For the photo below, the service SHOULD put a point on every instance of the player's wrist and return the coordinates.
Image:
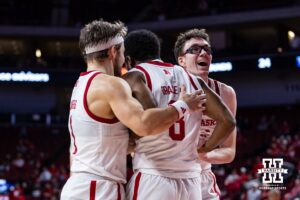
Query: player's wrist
(181, 107)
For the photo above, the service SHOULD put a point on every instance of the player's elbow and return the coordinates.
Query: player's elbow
(227, 121)
(149, 129)
(144, 129)
(230, 157)
(230, 123)
(141, 132)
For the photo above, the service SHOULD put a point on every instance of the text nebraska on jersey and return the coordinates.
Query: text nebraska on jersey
(167, 89)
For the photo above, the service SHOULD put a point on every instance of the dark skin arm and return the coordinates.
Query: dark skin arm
(140, 90)
(142, 93)
(217, 110)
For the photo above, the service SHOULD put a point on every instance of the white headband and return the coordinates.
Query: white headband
(106, 45)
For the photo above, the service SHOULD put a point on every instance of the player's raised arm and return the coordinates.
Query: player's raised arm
(226, 151)
(152, 121)
(216, 109)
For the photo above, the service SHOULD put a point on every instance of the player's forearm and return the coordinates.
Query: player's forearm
(220, 133)
(157, 120)
(220, 155)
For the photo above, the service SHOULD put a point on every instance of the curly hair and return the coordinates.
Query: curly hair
(142, 45)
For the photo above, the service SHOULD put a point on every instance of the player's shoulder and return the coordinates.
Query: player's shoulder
(133, 77)
(108, 82)
(180, 70)
(143, 65)
(178, 67)
(141, 68)
(225, 88)
(227, 91)
(156, 63)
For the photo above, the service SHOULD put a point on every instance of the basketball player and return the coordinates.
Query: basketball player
(166, 165)
(193, 52)
(99, 100)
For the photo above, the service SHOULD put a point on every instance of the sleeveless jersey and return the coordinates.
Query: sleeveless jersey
(98, 145)
(208, 124)
(172, 153)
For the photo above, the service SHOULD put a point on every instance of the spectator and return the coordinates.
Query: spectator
(295, 191)
(45, 175)
(254, 193)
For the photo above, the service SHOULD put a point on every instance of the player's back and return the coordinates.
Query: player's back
(98, 145)
(172, 153)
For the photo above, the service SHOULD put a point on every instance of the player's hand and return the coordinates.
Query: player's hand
(195, 100)
(203, 156)
(202, 150)
(205, 148)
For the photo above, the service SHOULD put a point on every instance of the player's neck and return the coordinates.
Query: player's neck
(103, 67)
(205, 78)
(137, 62)
(202, 76)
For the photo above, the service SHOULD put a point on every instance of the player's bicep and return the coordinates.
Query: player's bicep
(230, 142)
(124, 106)
(229, 98)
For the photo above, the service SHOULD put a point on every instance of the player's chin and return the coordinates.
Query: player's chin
(203, 71)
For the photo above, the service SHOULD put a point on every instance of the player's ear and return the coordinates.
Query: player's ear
(128, 62)
(181, 61)
(112, 52)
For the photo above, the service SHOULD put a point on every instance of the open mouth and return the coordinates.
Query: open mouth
(202, 64)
